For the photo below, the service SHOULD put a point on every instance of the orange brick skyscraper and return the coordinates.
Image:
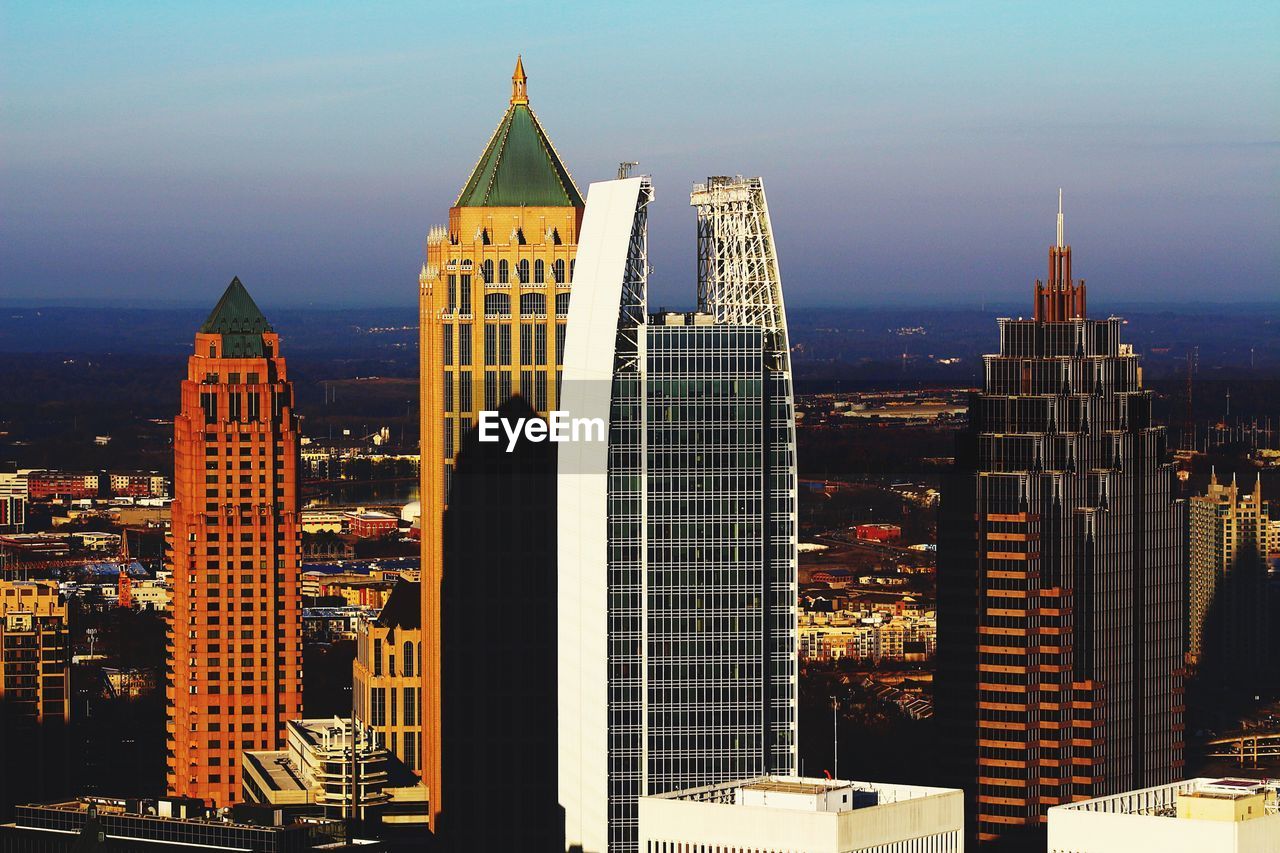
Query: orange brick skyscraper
(235, 648)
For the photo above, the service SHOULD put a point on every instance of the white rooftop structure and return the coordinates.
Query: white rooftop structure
(1223, 815)
(782, 814)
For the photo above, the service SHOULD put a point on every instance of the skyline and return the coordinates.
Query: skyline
(172, 150)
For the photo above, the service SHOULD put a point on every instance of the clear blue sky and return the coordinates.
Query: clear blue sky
(911, 151)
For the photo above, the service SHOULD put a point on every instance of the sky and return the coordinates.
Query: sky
(911, 151)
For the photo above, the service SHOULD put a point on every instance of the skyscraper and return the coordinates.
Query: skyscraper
(493, 298)
(1228, 606)
(235, 651)
(677, 536)
(1061, 573)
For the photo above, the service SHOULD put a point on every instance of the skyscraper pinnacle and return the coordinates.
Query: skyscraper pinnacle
(519, 92)
(1060, 217)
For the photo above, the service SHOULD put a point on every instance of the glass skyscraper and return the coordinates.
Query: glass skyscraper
(683, 526)
(1061, 575)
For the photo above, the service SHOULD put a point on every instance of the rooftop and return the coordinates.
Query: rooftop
(1162, 800)
(240, 322)
(519, 166)
(805, 794)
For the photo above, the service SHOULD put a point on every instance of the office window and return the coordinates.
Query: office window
(504, 344)
(526, 343)
(490, 343)
(539, 271)
(453, 293)
(490, 390)
(522, 270)
(446, 343)
(486, 272)
(464, 297)
(504, 272)
(557, 270)
(464, 345)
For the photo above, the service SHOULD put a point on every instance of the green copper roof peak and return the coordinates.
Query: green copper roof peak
(240, 322)
(519, 166)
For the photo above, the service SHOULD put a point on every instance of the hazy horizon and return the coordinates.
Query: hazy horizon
(151, 152)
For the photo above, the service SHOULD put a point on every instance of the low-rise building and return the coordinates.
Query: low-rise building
(879, 532)
(316, 768)
(371, 523)
(13, 498)
(330, 624)
(151, 595)
(1222, 815)
(170, 823)
(313, 775)
(50, 485)
(323, 521)
(779, 814)
(387, 674)
(35, 652)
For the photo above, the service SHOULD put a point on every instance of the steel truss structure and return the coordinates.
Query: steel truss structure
(738, 278)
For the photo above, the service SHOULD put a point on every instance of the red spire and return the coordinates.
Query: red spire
(1061, 298)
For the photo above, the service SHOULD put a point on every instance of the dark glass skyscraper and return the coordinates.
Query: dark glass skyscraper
(1062, 573)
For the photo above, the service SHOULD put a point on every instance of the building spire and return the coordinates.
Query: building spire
(1060, 244)
(519, 92)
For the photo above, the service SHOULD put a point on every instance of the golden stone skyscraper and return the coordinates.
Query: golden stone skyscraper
(493, 298)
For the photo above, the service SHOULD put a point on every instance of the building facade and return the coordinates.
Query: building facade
(118, 824)
(13, 498)
(317, 767)
(772, 814)
(493, 298)
(677, 541)
(235, 648)
(387, 675)
(1062, 573)
(35, 653)
(1228, 599)
(1191, 816)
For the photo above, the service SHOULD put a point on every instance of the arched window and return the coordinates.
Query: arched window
(533, 305)
(497, 305)
(539, 271)
(408, 659)
(562, 304)
(419, 657)
(486, 272)
(557, 270)
(522, 270)
(504, 272)
(571, 263)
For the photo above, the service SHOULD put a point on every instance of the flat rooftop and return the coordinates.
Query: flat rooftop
(1161, 800)
(798, 793)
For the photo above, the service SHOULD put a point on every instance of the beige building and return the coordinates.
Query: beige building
(35, 651)
(1194, 816)
(387, 675)
(317, 768)
(785, 814)
(1227, 602)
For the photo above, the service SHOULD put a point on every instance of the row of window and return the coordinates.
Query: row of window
(497, 344)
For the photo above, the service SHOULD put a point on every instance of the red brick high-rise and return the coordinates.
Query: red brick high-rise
(235, 649)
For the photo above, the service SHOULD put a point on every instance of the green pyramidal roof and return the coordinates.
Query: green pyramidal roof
(240, 322)
(519, 167)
